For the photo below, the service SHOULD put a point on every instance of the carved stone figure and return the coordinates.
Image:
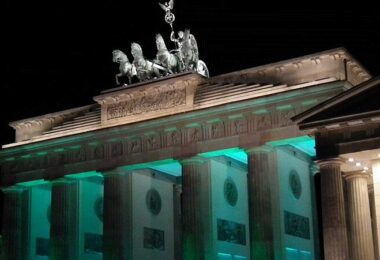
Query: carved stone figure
(125, 67)
(170, 61)
(145, 69)
(190, 54)
(168, 7)
(189, 50)
(178, 41)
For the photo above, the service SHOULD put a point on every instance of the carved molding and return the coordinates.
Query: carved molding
(160, 98)
(155, 139)
(147, 101)
(303, 69)
(30, 127)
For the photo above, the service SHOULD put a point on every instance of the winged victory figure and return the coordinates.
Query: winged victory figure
(168, 6)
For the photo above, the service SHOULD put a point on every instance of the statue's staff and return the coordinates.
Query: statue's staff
(169, 16)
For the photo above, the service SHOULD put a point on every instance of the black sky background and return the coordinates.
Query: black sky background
(57, 55)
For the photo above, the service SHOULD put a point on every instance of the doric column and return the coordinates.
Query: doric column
(261, 195)
(314, 170)
(372, 208)
(333, 213)
(376, 198)
(196, 209)
(117, 217)
(15, 223)
(359, 216)
(64, 229)
(177, 193)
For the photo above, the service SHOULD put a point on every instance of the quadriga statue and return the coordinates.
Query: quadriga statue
(145, 69)
(125, 67)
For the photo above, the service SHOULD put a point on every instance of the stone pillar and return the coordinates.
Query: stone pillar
(333, 213)
(64, 229)
(376, 195)
(196, 209)
(314, 169)
(372, 207)
(117, 217)
(262, 192)
(177, 211)
(359, 217)
(16, 223)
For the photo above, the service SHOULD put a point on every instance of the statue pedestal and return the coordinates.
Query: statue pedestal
(159, 98)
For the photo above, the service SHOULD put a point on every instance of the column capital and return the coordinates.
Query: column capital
(329, 161)
(193, 160)
(13, 189)
(63, 181)
(177, 187)
(349, 176)
(114, 171)
(314, 168)
(259, 149)
(371, 188)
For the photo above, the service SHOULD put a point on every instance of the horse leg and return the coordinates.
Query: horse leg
(156, 72)
(117, 79)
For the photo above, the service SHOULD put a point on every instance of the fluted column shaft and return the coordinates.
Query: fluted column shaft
(64, 229)
(260, 192)
(117, 225)
(361, 238)
(177, 211)
(15, 223)
(196, 209)
(333, 212)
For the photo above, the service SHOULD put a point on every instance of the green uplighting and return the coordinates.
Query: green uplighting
(261, 111)
(75, 147)
(304, 143)
(147, 165)
(284, 107)
(170, 129)
(310, 102)
(192, 125)
(41, 153)
(220, 152)
(83, 175)
(215, 120)
(235, 116)
(32, 183)
(190, 251)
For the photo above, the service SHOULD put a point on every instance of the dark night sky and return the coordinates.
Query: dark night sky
(58, 56)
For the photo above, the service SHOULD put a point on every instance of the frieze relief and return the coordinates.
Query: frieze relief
(98, 152)
(263, 121)
(147, 101)
(56, 158)
(76, 155)
(285, 115)
(238, 126)
(153, 141)
(115, 149)
(194, 134)
(173, 137)
(216, 129)
(134, 145)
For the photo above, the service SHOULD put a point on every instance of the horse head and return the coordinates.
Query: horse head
(136, 50)
(119, 56)
(160, 42)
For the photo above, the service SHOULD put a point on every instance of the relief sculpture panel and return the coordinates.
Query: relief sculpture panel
(147, 101)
